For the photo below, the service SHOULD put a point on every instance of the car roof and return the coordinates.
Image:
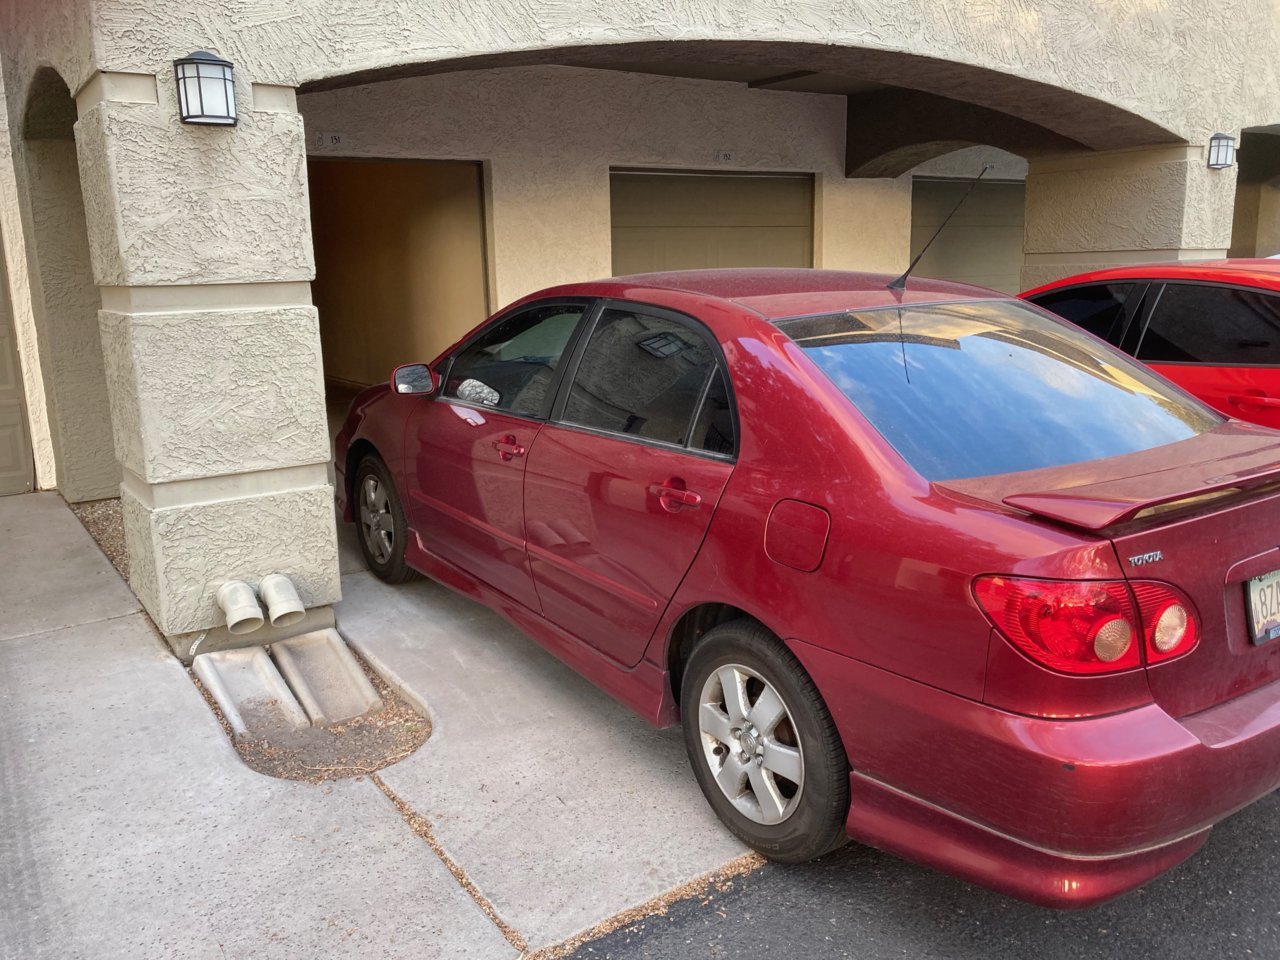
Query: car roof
(1247, 272)
(781, 293)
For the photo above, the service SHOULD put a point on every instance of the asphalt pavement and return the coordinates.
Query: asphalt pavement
(859, 903)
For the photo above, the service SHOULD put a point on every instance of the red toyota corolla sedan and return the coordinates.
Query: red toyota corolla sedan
(930, 568)
(1212, 327)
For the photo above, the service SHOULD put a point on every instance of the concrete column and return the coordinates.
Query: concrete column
(201, 249)
(1129, 206)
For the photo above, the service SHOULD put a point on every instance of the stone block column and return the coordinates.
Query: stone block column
(201, 249)
(1086, 211)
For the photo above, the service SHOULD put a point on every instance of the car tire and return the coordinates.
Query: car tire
(762, 744)
(380, 525)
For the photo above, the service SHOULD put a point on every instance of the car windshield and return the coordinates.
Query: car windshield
(994, 386)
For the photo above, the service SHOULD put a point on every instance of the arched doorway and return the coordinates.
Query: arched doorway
(64, 297)
(1255, 229)
(16, 466)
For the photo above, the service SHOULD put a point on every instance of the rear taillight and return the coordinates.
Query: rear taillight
(1076, 626)
(1089, 626)
(1169, 625)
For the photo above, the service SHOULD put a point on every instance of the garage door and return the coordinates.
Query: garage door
(666, 221)
(982, 245)
(15, 445)
(400, 268)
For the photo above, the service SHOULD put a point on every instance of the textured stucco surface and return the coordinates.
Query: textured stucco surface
(175, 204)
(1125, 207)
(180, 555)
(1118, 208)
(549, 136)
(212, 393)
(1158, 60)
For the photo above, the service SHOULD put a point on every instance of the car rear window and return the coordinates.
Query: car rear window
(994, 386)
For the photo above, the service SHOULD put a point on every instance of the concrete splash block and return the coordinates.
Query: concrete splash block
(253, 696)
(325, 677)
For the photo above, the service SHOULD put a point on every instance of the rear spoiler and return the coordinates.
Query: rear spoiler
(1095, 494)
(1101, 505)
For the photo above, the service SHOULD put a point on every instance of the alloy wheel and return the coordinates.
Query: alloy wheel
(376, 523)
(749, 741)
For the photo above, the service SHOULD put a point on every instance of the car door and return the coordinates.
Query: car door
(1219, 342)
(465, 448)
(621, 485)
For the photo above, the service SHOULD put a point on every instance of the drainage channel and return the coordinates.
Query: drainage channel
(308, 708)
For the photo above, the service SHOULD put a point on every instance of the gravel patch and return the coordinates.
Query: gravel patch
(105, 523)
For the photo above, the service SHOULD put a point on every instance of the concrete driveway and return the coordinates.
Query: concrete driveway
(129, 828)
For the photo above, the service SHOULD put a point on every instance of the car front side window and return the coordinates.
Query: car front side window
(1104, 309)
(512, 365)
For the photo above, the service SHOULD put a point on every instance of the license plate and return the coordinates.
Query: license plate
(1264, 606)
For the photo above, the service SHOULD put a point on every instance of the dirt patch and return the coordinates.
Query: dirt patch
(356, 748)
(103, 520)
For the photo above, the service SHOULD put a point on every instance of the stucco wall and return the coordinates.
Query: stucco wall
(1168, 62)
(1089, 211)
(549, 136)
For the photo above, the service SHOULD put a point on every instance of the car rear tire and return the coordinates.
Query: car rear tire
(762, 744)
(380, 524)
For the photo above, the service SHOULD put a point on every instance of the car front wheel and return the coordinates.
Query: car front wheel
(380, 521)
(762, 743)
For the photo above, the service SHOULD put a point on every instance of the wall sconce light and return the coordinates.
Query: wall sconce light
(206, 91)
(1222, 151)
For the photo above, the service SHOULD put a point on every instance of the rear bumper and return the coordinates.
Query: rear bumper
(898, 823)
(1059, 812)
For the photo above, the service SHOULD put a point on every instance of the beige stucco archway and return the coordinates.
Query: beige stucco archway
(64, 298)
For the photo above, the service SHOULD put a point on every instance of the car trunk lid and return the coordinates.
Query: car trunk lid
(1202, 514)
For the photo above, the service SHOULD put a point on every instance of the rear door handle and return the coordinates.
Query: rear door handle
(674, 498)
(1247, 400)
(508, 448)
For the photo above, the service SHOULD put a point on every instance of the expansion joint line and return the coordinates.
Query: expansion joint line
(419, 825)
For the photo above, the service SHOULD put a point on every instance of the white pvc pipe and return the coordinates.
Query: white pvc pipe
(238, 602)
(284, 606)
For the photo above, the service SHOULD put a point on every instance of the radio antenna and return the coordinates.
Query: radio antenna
(901, 282)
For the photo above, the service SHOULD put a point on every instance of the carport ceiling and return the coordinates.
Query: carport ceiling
(769, 77)
(1071, 117)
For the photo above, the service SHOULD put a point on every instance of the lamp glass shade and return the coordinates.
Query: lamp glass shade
(1222, 151)
(206, 89)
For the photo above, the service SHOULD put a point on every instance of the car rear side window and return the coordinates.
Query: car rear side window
(646, 376)
(1202, 323)
(511, 366)
(1101, 308)
(986, 387)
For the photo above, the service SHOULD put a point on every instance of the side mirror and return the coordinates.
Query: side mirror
(413, 379)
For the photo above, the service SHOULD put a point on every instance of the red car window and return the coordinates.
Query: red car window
(1204, 323)
(1104, 309)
